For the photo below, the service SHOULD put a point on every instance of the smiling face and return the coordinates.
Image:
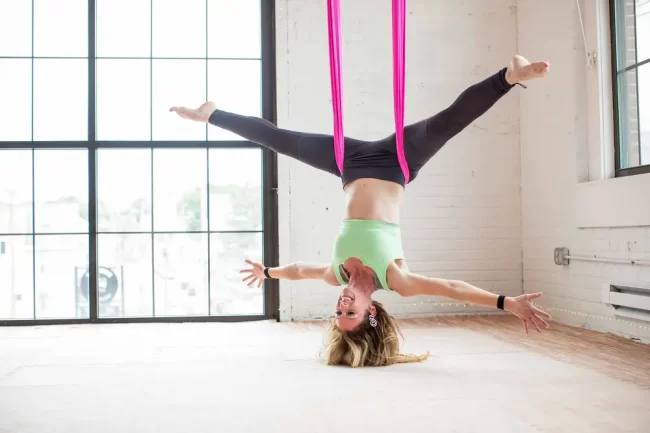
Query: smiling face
(352, 308)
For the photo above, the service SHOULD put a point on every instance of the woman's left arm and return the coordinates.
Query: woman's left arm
(410, 284)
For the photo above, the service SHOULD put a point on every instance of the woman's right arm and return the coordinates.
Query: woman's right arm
(292, 271)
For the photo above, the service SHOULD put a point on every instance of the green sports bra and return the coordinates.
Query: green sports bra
(377, 244)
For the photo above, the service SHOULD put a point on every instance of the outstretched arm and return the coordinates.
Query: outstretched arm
(410, 284)
(293, 271)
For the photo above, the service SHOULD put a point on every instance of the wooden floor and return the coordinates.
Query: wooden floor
(614, 356)
(486, 376)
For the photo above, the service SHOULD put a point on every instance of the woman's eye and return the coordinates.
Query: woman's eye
(338, 313)
(351, 314)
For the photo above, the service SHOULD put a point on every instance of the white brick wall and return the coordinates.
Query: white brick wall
(553, 132)
(462, 216)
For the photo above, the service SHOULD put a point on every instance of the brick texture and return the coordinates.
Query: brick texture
(552, 124)
(461, 218)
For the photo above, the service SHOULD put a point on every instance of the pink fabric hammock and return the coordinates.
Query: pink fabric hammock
(399, 60)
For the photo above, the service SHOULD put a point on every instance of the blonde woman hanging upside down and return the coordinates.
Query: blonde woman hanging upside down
(368, 252)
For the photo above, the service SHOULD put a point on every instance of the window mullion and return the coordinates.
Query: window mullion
(92, 166)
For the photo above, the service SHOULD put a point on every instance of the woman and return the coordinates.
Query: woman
(368, 251)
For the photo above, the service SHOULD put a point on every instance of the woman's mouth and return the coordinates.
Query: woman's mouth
(347, 295)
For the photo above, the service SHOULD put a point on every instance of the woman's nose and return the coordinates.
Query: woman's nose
(345, 301)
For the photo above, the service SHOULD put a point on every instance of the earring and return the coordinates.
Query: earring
(373, 321)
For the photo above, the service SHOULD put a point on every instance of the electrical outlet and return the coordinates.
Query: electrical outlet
(560, 256)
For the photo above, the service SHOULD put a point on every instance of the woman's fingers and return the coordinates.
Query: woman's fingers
(536, 325)
(542, 313)
(538, 319)
(253, 264)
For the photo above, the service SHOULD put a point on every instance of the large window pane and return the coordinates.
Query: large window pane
(628, 118)
(16, 94)
(181, 274)
(16, 278)
(15, 191)
(236, 86)
(125, 277)
(234, 29)
(180, 197)
(124, 190)
(61, 191)
(60, 99)
(61, 264)
(644, 112)
(16, 28)
(228, 294)
(179, 28)
(235, 189)
(60, 28)
(643, 29)
(123, 100)
(123, 28)
(177, 82)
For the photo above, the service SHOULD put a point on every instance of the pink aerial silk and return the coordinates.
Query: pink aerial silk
(334, 26)
(399, 67)
(399, 61)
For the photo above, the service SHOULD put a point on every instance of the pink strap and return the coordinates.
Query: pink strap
(334, 27)
(399, 67)
(399, 63)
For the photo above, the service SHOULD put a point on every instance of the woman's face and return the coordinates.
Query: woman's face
(352, 307)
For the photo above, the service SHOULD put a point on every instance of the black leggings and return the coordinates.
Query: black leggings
(372, 159)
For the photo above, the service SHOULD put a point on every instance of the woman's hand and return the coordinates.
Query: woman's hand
(526, 311)
(201, 114)
(255, 274)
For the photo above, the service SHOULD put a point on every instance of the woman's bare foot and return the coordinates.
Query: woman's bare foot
(521, 69)
(201, 114)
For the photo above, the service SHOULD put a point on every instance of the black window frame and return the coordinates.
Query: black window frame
(269, 182)
(614, 32)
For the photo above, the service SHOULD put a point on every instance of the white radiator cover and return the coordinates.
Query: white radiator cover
(628, 300)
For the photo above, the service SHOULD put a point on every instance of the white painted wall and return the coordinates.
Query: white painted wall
(462, 216)
(559, 138)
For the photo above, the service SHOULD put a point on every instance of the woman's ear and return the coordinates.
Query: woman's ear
(372, 310)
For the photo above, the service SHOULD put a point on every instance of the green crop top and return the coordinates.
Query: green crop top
(377, 244)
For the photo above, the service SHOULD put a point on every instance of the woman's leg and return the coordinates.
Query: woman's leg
(316, 150)
(424, 139)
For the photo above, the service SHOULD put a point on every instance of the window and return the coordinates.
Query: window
(111, 207)
(631, 71)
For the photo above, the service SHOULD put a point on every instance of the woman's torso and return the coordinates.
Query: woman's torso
(376, 198)
(373, 199)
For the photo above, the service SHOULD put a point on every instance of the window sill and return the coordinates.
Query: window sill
(618, 202)
(633, 171)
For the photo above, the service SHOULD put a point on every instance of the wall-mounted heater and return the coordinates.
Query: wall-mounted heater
(628, 300)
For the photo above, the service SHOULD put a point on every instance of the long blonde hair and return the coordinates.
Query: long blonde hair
(368, 346)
